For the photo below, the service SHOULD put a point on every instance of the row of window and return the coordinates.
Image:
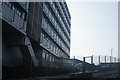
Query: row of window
(67, 14)
(67, 19)
(47, 56)
(48, 28)
(17, 9)
(48, 43)
(52, 19)
(13, 13)
(58, 15)
(64, 16)
(61, 18)
(50, 31)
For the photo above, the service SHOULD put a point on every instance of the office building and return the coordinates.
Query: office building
(34, 34)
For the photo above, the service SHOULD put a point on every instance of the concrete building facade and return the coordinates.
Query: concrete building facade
(35, 34)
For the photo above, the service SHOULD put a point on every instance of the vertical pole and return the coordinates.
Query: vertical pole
(99, 59)
(111, 54)
(114, 59)
(105, 61)
(83, 64)
(92, 59)
(92, 63)
(83, 59)
(110, 59)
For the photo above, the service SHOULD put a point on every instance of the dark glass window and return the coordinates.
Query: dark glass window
(41, 38)
(50, 58)
(53, 59)
(48, 29)
(45, 40)
(47, 43)
(52, 33)
(43, 55)
(51, 46)
(47, 56)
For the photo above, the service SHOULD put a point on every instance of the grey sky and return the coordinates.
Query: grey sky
(94, 28)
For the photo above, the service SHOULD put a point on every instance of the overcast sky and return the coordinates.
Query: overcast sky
(94, 28)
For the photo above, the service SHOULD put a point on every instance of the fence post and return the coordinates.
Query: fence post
(114, 59)
(92, 59)
(83, 64)
(105, 61)
(92, 63)
(110, 59)
(99, 59)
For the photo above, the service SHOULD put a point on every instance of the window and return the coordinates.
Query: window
(55, 11)
(54, 36)
(55, 24)
(50, 58)
(47, 56)
(46, 9)
(52, 47)
(59, 41)
(41, 38)
(56, 50)
(53, 59)
(43, 55)
(43, 6)
(9, 4)
(51, 33)
(52, 19)
(23, 15)
(44, 40)
(48, 29)
(50, 15)
(59, 52)
(48, 43)
(53, 7)
(13, 7)
(45, 27)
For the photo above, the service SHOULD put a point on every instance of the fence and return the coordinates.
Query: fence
(98, 59)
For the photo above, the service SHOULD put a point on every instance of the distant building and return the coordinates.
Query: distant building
(34, 34)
